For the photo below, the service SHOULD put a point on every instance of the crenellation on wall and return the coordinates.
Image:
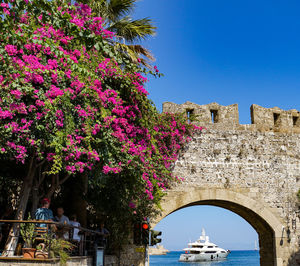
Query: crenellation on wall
(275, 118)
(208, 114)
(215, 115)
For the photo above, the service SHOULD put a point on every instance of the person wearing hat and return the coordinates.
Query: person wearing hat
(44, 213)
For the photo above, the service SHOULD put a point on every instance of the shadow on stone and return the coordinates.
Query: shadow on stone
(294, 260)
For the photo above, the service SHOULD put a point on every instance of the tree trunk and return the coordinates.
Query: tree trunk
(55, 184)
(35, 199)
(13, 236)
(37, 183)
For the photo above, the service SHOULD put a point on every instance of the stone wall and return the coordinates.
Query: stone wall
(128, 257)
(253, 170)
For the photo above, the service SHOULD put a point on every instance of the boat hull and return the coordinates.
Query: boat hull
(202, 257)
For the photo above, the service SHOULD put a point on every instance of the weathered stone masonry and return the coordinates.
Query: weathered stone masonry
(253, 170)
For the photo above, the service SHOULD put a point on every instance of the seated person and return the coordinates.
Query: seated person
(76, 236)
(44, 213)
(62, 232)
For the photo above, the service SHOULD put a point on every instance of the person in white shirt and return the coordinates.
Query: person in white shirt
(74, 222)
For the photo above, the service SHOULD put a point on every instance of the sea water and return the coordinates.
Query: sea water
(235, 258)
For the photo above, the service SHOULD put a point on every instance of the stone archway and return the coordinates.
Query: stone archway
(264, 221)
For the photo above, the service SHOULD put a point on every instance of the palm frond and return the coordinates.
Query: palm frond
(141, 51)
(136, 53)
(118, 8)
(133, 30)
(99, 7)
(116, 16)
(111, 10)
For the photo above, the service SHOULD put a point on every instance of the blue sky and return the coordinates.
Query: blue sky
(228, 52)
(224, 228)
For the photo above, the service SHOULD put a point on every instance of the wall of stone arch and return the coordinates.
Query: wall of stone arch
(267, 224)
(255, 167)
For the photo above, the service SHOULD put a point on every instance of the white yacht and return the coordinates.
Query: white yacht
(203, 250)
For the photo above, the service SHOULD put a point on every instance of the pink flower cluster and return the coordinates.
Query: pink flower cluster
(56, 108)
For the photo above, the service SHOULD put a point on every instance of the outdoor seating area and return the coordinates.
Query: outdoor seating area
(42, 242)
(72, 261)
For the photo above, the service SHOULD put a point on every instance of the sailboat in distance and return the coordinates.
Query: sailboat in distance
(255, 246)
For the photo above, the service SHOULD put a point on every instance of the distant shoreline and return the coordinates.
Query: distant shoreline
(229, 249)
(158, 250)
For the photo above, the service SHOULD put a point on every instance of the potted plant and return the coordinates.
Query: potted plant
(27, 231)
(56, 248)
(60, 248)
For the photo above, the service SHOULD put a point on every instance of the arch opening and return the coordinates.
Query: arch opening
(224, 228)
(257, 215)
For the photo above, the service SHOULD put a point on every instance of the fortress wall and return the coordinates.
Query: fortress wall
(260, 161)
